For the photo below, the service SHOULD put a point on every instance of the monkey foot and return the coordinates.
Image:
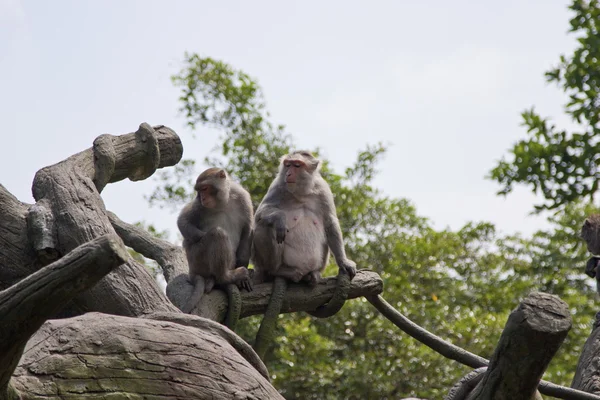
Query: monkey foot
(313, 278)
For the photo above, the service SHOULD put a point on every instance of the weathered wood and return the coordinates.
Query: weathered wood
(70, 189)
(587, 375)
(113, 357)
(17, 258)
(463, 356)
(26, 305)
(298, 296)
(533, 334)
(170, 257)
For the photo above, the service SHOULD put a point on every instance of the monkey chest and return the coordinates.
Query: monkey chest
(303, 222)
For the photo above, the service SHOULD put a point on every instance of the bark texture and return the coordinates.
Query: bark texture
(531, 337)
(162, 353)
(25, 306)
(298, 296)
(100, 356)
(68, 201)
(587, 376)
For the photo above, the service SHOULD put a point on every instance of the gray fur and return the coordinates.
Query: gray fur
(217, 241)
(296, 225)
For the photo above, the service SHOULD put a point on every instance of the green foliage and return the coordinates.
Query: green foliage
(461, 285)
(563, 166)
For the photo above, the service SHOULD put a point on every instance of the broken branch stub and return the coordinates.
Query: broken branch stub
(532, 336)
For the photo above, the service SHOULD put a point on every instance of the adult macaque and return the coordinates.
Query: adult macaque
(590, 233)
(216, 228)
(296, 226)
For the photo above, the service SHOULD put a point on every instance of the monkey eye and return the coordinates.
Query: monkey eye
(203, 188)
(286, 164)
(297, 165)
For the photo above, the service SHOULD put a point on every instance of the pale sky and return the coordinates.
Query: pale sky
(443, 82)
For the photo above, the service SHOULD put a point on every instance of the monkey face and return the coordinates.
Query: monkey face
(207, 196)
(293, 168)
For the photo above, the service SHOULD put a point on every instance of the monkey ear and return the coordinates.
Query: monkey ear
(222, 174)
(587, 222)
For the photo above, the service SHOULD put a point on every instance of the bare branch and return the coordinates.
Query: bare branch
(532, 336)
(298, 296)
(463, 356)
(69, 193)
(171, 258)
(26, 305)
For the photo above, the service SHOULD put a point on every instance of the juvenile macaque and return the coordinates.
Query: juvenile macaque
(590, 232)
(216, 228)
(296, 225)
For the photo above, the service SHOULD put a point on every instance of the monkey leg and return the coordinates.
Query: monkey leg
(313, 278)
(266, 332)
(196, 295)
(293, 274)
(267, 253)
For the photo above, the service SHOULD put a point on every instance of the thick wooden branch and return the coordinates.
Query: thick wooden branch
(105, 356)
(25, 306)
(463, 356)
(68, 197)
(298, 297)
(533, 334)
(587, 375)
(170, 257)
(17, 258)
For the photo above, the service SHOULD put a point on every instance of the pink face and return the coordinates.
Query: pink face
(293, 168)
(207, 197)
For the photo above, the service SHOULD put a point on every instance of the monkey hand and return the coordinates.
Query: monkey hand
(247, 282)
(590, 267)
(347, 266)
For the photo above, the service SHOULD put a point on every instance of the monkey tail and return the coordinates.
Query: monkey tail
(196, 295)
(337, 300)
(266, 332)
(235, 306)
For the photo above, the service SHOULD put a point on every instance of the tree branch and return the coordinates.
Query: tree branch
(171, 258)
(298, 296)
(17, 258)
(532, 336)
(463, 356)
(69, 193)
(26, 305)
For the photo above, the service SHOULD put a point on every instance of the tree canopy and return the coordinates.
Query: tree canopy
(459, 284)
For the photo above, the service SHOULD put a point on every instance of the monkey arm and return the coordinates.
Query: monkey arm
(334, 236)
(242, 255)
(190, 233)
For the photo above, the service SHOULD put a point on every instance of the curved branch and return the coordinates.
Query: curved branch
(69, 190)
(209, 326)
(298, 296)
(36, 298)
(463, 356)
(170, 257)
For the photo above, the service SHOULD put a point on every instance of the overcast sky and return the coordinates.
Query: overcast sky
(443, 82)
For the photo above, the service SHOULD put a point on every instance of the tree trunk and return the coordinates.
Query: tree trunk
(531, 337)
(162, 353)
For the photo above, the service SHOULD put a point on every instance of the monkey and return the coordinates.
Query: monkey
(217, 233)
(295, 227)
(590, 233)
